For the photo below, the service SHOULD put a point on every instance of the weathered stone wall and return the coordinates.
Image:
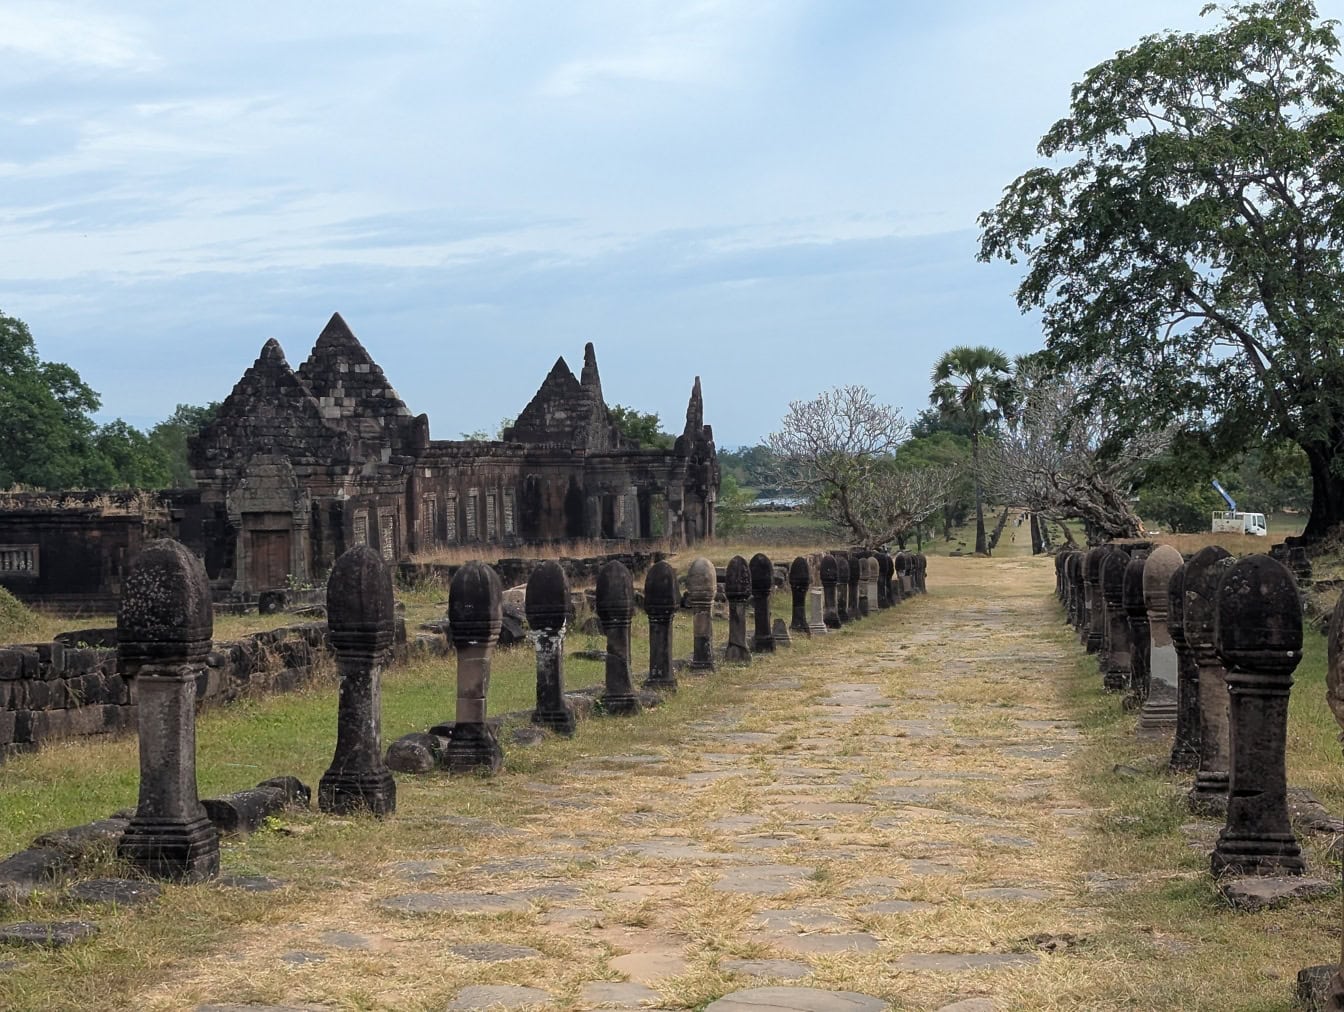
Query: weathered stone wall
(516, 572)
(67, 689)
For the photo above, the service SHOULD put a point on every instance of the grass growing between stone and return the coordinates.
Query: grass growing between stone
(932, 788)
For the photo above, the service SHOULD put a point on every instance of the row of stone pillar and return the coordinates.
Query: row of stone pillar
(1205, 648)
(165, 630)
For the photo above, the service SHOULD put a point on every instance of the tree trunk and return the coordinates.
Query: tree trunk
(980, 547)
(1327, 492)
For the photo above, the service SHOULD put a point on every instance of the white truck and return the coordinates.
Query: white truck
(1233, 520)
(1236, 522)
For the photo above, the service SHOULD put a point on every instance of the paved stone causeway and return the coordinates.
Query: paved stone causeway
(884, 821)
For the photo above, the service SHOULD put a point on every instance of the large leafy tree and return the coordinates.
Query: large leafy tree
(974, 386)
(1190, 230)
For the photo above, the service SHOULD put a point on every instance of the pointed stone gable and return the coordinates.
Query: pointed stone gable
(564, 410)
(350, 387)
(695, 412)
(269, 411)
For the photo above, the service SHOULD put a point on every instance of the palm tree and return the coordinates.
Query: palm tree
(974, 385)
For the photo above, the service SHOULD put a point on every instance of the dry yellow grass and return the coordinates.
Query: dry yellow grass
(931, 714)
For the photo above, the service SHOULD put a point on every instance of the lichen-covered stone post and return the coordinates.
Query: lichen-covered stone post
(701, 586)
(800, 581)
(360, 625)
(165, 623)
(1094, 635)
(1114, 654)
(1185, 747)
(475, 611)
(660, 604)
(904, 581)
(762, 583)
(830, 584)
(884, 571)
(1077, 591)
(1258, 635)
(1202, 574)
(841, 586)
(1158, 716)
(615, 610)
(921, 573)
(1140, 637)
(855, 575)
(547, 607)
(1334, 696)
(867, 585)
(737, 588)
(1059, 576)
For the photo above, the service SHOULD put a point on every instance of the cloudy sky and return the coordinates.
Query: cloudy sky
(777, 196)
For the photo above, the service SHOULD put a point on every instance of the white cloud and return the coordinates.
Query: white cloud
(64, 35)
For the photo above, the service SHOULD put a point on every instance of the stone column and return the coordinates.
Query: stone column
(855, 575)
(1202, 574)
(830, 582)
(1258, 635)
(164, 627)
(1185, 747)
(475, 611)
(1140, 639)
(547, 607)
(921, 573)
(1094, 635)
(1334, 695)
(737, 588)
(1114, 654)
(902, 562)
(1059, 576)
(800, 580)
(701, 586)
(360, 625)
(1158, 716)
(816, 612)
(841, 586)
(884, 571)
(762, 583)
(866, 588)
(1074, 572)
(615, 609)
(660, 604)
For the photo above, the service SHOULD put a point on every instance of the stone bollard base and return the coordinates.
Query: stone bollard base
(177, 851)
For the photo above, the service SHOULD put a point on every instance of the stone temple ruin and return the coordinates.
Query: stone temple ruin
(302, 464)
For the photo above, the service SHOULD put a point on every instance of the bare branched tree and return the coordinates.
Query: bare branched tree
(1065, 460)
(837, 448)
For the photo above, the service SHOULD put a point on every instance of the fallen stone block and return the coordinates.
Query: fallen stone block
(1262, 893)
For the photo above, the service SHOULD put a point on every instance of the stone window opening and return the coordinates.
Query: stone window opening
(361, 527)
(510, 524)
(19, 559)
(387, 533)
(473, 503)
(450, 519)
(429, 511)
(491, 517)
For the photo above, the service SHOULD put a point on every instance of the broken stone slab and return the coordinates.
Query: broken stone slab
(122, 892)
(818, 943)
(494, 996)
(961, 962)
(780, 969)
(763, 880)
(1009, 894)
(302, 958)
(890, 907)
(47, 934)
(1309, 815)
(251, 883)
(796, 999)
(418, 752)
(1264, 892)
(78, 841)
(623, 994)
(31, 869)
(1313, 987)
(969, 1005)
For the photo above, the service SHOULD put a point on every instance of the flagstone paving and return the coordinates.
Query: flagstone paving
(882, 822)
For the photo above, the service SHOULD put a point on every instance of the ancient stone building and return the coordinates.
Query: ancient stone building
(301, 464)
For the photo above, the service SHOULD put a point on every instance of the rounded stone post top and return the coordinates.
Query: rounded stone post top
(872, 567)
(737, 579)
(885, 566)
(841, 567)
(615, 594)
(1202, 574)
(660, 590)
(1092, 564)
(701, 582)
(1334, 666)
(1258, 617)
(1157, 571)
(1113, 567)
(546, 601)
(902, 563)
(165, 614)
(762, 573)
(800, 574)
(1176, 604)
(359, 601)
(1135, 603)
(475, 605)
(829, 569)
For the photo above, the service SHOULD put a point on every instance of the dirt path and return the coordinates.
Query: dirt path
(888, 814)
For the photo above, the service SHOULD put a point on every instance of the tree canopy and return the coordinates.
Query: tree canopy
(1188, 231)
